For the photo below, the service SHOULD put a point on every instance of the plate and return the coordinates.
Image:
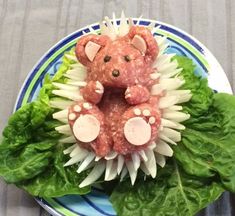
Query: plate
(96, 203)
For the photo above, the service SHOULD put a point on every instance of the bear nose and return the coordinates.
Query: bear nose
(115, 73)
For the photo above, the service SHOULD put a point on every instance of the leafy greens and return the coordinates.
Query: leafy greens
(203, 165)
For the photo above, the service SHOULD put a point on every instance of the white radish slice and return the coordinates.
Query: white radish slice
(120, 164)
(166, 139)
(97, 158)
(91, 49)
(167, 101)
(157, 89)
(139, 43)
(144, 169)
(175, 108)
(111, 155)
(113, 172)
(132, 171)
(163, 149)
(61, 114)
(155, 76)
(123, 27)
(70, 139)
(171, 124)
(90, 157)
(168, 67)
(86, 128)
(95, 174)
(176, 116)
(64, 86)
(162, 48)
(72, 95)
(78, 77)
(143, 155)
(71, 57)
(77, 158)
(162, 60)
(160, 159)
(151, 163)
(108, 169)
(77, 65)
(60, 104)
(131, 23)
(139, 19)
(75, 151)
(115, 26)
(152, 146)
(137, 131)
(178, 92)
(112, 33)
(123, 174)
(172, 134)
(172, 73)
(160, 40)
(77, 72)
(171, 83)
(136, 160)
(64, 129)
(69, 149)
(77, 83)
(184, 98)
(103, 29)
(63, 120)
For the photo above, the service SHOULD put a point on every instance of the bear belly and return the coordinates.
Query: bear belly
(113, 105)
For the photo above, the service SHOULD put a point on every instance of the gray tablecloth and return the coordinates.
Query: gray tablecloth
(28, 28)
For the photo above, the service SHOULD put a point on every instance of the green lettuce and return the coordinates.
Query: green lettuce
(30, 153)
(203, 165)
(173, 192)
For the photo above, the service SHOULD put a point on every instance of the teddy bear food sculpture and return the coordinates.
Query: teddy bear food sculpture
(121, 113)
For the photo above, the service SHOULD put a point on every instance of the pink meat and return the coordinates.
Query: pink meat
(124, 71)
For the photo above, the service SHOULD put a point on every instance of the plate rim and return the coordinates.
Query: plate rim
(205, 51)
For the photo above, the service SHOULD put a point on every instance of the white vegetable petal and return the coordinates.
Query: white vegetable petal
(151, 163)
(168, 101)
(163, 149)
(96, 172)
(72, 95)
(69, 139)
(132, 171)
(136, 160)
(69, 149)
(160, 159)
(120, 163)
(90, 157)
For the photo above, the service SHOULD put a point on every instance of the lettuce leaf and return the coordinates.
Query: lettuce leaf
(30, 153)
(173, 192)
(207, 148)
(57, 180)
(31, 156)
(203, 164)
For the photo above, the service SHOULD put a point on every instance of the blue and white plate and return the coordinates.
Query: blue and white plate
(97, 203)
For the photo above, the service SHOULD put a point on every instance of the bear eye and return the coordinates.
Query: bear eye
(107, 58)
(127, 58)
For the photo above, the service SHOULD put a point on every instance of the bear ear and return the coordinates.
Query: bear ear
(143, 40)
(88, 46)
(91, 49)
(139, 43)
